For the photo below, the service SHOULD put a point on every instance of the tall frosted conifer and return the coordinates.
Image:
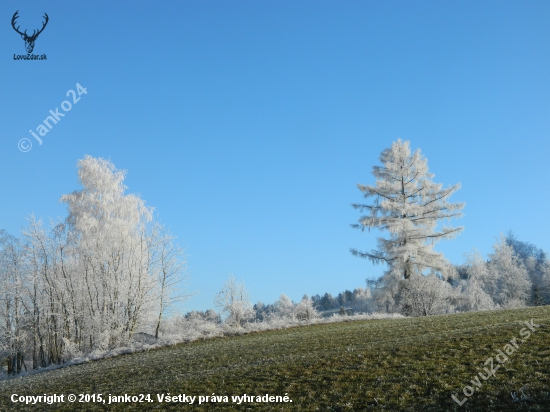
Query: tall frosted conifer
(409, 206)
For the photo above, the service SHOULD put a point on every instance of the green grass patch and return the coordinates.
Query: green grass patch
(412, 364)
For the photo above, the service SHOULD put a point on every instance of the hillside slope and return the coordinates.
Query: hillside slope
(393, 365)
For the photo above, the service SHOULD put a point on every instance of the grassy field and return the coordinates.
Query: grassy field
(412, 364)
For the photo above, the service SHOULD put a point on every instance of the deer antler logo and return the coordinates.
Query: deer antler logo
(29, 40)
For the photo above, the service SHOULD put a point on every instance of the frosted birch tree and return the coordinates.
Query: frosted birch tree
(234, 301)
(13, 319)
(408, 205)
(113, 253)
(168, 267)
(127, 265)
(90, 282)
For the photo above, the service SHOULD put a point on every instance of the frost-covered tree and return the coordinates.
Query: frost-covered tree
(14, 319)
(167, 266)
(305, 310)
(87, 283)
(114, 252)
(509, 275)
(234, 301)
(409, 206)
(284, 307)
(479, 286)
(362, 300)
(54, 296)
(537, 264)
(425, 295)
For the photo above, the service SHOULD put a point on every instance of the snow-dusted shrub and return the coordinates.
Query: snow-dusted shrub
(305, 310)
(425, 295)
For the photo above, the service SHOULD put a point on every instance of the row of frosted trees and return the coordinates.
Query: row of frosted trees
(505, 280)
(88, 283)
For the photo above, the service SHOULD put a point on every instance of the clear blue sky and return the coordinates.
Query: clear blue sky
(248, 124)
